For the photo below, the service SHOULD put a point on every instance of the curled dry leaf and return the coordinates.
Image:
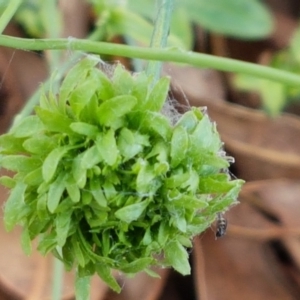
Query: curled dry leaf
(280, 199)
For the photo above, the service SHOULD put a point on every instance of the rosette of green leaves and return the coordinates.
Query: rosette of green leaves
(107, 181)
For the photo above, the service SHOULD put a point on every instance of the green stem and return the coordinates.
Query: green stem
(8, 13)
(58, 271)
(160, 34)
(50, 12)
(82, 287)
(166, 54)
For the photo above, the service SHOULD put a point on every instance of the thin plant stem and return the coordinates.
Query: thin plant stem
(8, 13)
(82, 287)
(49, 13)
(166, 54)
(57, 277)
(160, 34)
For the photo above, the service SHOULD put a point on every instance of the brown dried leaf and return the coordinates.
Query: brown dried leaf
(239, 268)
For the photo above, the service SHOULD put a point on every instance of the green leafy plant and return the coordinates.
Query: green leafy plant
(102, 176)
(107, 181)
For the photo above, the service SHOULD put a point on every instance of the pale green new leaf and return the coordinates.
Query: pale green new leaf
(131, 212)
(27, 127)
(62, 226)
(15, 206)
(104, 273)
(76, 75)
(115, 108)
(85, 129)
(158, 95)
(177, 257)
(179, 145)
(90, 157)
(55, 192)
(51, 162)
(107, 147)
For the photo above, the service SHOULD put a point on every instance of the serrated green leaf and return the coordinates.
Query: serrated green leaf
(190, 202)
(104, 273)
(177, 257)
(137, 265)
(73, 191)
(96, 191)
(179, 146)
(78, 172)
(114, 108)
(158, 95)
(131, 212)
(105, 89)
(7, 181)
(11, 144)
(220, 203)
(109, 190)
(163, 233)
(205, 136)
(150, 122)
(34, 178)
(145, 180)
(188, 121)
(161, 150)
(141, 88)
(75, 76)
(215, 184)
(62, 226)
(47, 243)
(41, 206)
(107, 147)
(20, 163)
(14, 208)
(147, 239)
(54, 121)
(127, 144)
(90, 157)
(177, 180)
(84, 129)
(39, 144)
(55, 193)
(161, 168)
(122, 81)
(27, 127)
(51, 162)
(82, 94)
(77, 252)
(180, 222)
